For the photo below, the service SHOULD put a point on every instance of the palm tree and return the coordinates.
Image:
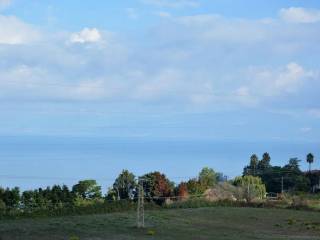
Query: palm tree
(310, 159)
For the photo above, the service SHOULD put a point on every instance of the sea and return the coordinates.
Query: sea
(39, 161)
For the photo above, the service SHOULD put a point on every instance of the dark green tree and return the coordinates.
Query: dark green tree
(294, 178)
(265, 162)
(124, 185)
(310, 160)
(293, 166)
(11, 197)
(253, 166)
(87, 189)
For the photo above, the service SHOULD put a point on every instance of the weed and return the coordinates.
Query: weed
(291, 221)
(74, 238)
(151, 232)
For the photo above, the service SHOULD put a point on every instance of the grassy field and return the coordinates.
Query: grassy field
(202, 223)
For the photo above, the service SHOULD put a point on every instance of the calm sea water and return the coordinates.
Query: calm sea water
(31, 162)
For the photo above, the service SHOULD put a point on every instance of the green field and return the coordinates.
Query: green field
(202, 223)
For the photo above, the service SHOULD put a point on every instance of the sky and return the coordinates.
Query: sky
(220, 70)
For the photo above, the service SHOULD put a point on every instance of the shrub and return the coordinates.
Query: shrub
(151, 232)
(298, 202)
(221, 191)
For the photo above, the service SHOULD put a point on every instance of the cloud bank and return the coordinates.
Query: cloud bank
(198, 61)
(300, 15)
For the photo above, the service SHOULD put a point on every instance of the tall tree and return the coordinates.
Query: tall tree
(265, 162)
(310, 160)
(254, 160)
(124, 185)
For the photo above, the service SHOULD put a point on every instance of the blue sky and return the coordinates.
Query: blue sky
(161, 69)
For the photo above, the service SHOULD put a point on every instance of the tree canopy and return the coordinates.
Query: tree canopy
(87, 189)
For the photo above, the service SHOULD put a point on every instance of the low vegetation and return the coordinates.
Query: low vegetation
(197, 223)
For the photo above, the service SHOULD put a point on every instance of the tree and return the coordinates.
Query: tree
(294, 179)
(310, 160)
(28, 199)
(265, 162)
(252, 187)
(56, 194)
(124, 185)
(157, 187)
(182, 191)
(293, 166)
(271, 177)
(87, 189)
(67, 195)
(11, 197)
(194, 187)
(208, 177)
(254, 163)
(252, 168)
(290, 176)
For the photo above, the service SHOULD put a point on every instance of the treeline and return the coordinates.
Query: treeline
(157, 188)
(259, 177)
(288, 178)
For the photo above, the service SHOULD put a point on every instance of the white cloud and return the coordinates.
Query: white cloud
(14, 31)
(300, 15)
(29, 82)
(86, 35)
(271, 82)
(290, 78)
(172, 3)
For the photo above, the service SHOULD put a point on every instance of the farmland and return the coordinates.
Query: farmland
(202, 223)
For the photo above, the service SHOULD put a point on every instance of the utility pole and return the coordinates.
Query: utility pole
(282, 185)
(140, 208)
